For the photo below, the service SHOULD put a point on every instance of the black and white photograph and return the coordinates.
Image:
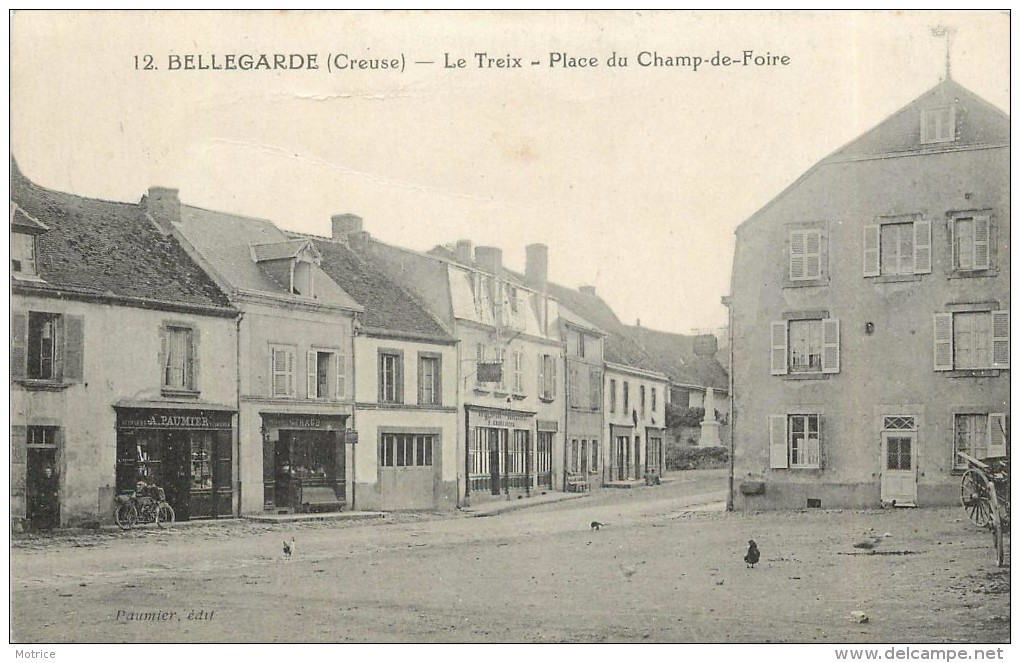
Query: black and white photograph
(672, 328)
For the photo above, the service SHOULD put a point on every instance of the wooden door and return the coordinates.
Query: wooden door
(899, 473)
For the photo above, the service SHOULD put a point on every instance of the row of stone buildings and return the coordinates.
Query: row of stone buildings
(246, 369)
(869, 313)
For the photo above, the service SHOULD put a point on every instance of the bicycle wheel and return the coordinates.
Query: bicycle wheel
(126, 516)
(975, 495)
(164, 515)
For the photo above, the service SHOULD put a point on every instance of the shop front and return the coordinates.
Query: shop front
(499, 450)
(621, 455)
(304, 461)
(655, 460)
(187, 452)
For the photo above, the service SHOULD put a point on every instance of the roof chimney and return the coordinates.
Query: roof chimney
(358, 240)
(587, 290)
(489, 259)
(163, 206)
(536, 265)
(462, 253)
(344, 225)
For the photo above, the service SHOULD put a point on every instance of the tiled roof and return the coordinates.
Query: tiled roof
(109, 248)
(25, 222)
(387, 305)
(225, 240)
(674, 355)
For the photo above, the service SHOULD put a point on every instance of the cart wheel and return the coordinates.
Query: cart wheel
(976, 493)
(996, 526)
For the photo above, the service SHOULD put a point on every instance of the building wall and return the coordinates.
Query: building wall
(120, 362)
(584, 423)
(885, 327)
(262, 325)
(650, 420)
(370, 419)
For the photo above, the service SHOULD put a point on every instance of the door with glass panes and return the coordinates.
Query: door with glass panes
(899, 461)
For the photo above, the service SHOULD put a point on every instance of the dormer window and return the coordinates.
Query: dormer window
(291, 264)
(24, 230)
(938, 125)
(301, 281)
(23, 254)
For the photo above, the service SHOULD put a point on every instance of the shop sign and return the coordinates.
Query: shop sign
(500, 420)
(174, 419)
(303, 422)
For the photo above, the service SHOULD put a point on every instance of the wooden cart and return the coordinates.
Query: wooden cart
(984, 493)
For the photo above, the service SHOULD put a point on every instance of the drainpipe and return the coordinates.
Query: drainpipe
(354, 400)
(733, 404)
(237, 336)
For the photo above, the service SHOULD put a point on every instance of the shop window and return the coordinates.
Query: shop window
(430, 380)
(543, 453)
(971, 340)
(478, 452)
(518, 452)
(406, 450)
(202, 461)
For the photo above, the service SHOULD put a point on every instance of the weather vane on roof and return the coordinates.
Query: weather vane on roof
(945, 31)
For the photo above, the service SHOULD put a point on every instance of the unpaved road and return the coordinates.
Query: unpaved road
(659, 572)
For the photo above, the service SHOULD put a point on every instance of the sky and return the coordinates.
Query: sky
(635, 176)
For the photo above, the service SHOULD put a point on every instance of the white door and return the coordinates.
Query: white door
(899, 469)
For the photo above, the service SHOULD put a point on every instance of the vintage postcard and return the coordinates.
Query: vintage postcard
(356, 327)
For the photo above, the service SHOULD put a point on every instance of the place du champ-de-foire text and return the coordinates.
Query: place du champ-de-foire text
(366, 61)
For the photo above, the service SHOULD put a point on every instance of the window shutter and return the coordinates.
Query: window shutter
(340, 362)
(821, 450)
(74, 347)
(421, 380)
(871, 251)
(398, 377)
(943, 341)
(981, 243)
(1000, 339)
(813, 254)
(997, 438)
(19, 345)
(19, 469)
(830, 345)
(922, 247)
(779, 366)
(437, 381)
(311, 361)
(797, 250)
(291, 360)
(382, 378)
(541, 375)
(553, 363)
(194, 336)
(778, 457)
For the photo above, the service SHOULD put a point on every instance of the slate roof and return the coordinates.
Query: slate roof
(977, 123)
(674, 354)
(224, 240)
(99, 247)
(387, 305)
(640, 347)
